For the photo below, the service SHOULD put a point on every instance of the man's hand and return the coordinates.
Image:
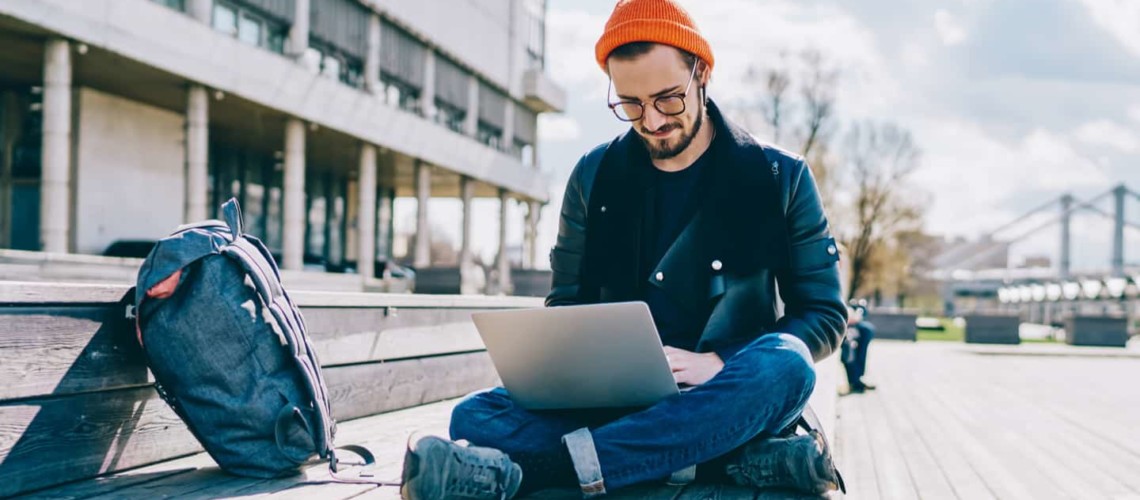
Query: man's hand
(690, 368)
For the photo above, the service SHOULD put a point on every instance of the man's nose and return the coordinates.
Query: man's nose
(653, 119)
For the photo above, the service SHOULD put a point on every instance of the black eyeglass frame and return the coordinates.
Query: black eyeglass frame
(656, 102)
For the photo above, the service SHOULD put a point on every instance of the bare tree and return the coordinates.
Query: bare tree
(774, 105)
(879, 157)
(817, 92)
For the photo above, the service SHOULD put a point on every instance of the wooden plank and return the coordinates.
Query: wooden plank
(928, 478)
(60, 350)
(997, 471)
(65, 350)
(87, 488)
(51, 441)
(368, 389)
(942, 446)
(1065, 461)
(1002, 464)
(384, 434)
(852, 453)
(356, 335)
(25, 292)
(892, 474)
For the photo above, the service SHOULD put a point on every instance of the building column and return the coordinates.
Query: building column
(423, 231)
(384, 223)
(197, 151)
(298, 41)
(201, 10)
(534, 152)
(530, 244)
(466, 264)
(1118, 231)
(1066, 240)
(55, 187)
(503, 263)
(471, 124)
(427, 95)
(372, 59)
(366, 214)
(293, 234)
(509, 126)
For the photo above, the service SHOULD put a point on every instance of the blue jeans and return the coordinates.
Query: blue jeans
(855, 360)
(762, 389)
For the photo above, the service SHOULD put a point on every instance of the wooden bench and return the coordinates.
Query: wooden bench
(1101, 331)
(993, 329)
(894, 326)
(79, 417)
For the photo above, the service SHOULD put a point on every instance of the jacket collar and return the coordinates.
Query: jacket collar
(739, 220)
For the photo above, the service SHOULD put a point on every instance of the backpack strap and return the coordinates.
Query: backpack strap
(252, 256)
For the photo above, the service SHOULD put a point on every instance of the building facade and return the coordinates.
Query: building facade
(120, 119)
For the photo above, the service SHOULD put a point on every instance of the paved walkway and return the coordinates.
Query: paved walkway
(956, 421)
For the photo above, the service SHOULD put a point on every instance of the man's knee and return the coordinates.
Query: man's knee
(471, 415)
(786, 364)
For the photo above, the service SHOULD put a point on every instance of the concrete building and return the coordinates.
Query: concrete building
(120, 119)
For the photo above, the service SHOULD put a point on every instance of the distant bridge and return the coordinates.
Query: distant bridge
(1042, 293)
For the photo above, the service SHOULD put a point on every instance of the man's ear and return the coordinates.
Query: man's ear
(704, 74)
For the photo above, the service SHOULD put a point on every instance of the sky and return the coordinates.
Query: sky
(1012, 102)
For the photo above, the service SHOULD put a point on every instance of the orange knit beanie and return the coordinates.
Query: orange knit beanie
(660, 21)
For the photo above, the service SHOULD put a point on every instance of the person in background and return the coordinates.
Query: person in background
(860, 332)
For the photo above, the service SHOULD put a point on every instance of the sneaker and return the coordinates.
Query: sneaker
(801, 463)
(437, 468)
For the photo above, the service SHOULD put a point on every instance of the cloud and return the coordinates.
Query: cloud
(974, 175)
(570, 39)
(1107, 133)
(949, 28)
(754, 34)
(558, 128)
(1120, 18)
(1134, 112)
(914, 54)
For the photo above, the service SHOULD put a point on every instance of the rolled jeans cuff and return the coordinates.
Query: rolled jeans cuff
(585, 457)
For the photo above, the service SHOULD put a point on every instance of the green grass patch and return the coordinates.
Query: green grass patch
(949, 333)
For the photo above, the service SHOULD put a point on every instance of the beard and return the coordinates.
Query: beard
(661, 149)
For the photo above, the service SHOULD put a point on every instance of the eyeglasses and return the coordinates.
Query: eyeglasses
(668, 105)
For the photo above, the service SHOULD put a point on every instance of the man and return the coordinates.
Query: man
(688, 213)
(860, 332)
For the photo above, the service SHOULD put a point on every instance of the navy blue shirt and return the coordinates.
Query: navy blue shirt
(680, 325)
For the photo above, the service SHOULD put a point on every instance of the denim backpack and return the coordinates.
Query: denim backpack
(229, 352)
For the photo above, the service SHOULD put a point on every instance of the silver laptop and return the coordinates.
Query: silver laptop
(590, 356)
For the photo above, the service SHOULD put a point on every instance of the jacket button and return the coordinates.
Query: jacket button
(831, 250)
(603, 209)
(716, 265)
(660, 276)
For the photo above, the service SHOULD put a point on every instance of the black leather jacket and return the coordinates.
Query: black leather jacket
(757, 222)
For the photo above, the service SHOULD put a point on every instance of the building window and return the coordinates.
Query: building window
(249, 27)
(325, 60)
(225, 19)
(490, 135)
(177, 5)
(536, 33)
(400, 94)
(450, 116)
(249, 30)
(523, 151)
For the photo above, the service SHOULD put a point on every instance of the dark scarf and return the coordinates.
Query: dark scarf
(738, 209)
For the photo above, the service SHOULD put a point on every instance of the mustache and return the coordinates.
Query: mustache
(664, 128)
